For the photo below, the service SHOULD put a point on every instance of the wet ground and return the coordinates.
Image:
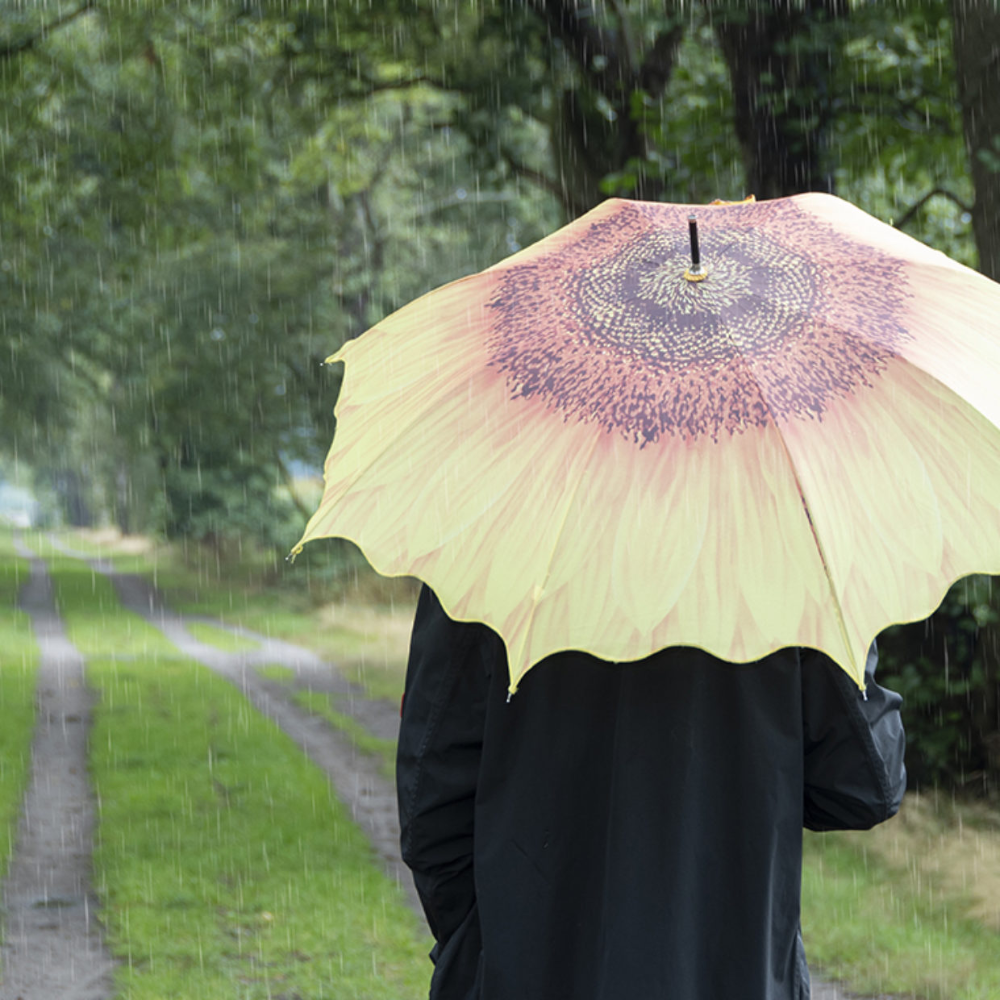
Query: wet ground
(52, 944)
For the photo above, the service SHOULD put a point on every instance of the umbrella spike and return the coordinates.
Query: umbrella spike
(695, 250)
(695, 272)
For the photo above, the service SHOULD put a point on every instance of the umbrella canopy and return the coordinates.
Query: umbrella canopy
(597, 445)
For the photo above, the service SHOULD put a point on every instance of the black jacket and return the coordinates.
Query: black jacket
(627, 831)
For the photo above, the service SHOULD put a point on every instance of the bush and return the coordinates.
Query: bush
(946, 669)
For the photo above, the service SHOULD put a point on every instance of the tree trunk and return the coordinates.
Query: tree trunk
(779, 65)
(977, 68)
(596, 132)
(70, 487)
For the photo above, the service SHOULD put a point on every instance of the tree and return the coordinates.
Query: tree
(977, 67)
(781, 58)
(200, 203)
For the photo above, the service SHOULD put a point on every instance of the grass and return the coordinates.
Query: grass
(368, 644)
(895, 909)
(226, 866)
(18, 665)
(221, 638)
(322, 705)
(94, 618)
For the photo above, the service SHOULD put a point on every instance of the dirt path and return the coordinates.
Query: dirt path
(52, 945)
(355, 776)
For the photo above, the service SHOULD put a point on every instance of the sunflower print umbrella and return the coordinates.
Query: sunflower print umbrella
(596, 445)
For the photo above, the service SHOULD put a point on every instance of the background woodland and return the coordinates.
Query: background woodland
(200, 201)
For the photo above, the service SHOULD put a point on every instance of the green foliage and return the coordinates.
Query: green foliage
(897, 135)
(200, 203)
(692, 152)
(889, 929)
(948, 675)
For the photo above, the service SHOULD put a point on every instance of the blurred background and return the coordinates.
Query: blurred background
(200, 201)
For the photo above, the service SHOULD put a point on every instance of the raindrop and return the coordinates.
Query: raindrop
(218, 334)
(253, 319)
(966, 217)
(49, 231)
(461, 194)
(279, 389)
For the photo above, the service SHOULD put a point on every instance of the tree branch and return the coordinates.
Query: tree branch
(908, 215)
(17, 48)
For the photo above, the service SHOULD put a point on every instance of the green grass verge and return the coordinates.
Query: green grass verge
(18, 665)
(221, 638)
(95, 620)
(323, 705)
(226, 866)
(891, 928)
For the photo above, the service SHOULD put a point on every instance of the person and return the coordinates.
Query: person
(627, 831)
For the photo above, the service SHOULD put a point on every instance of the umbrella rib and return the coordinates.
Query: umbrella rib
(356, 478)
(748, 368)
(342, 356)
(564, 517)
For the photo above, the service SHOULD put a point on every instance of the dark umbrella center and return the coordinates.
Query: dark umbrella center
(640, 300)
(610, 329)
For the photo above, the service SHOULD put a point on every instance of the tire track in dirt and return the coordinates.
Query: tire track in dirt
(52, 942)
(355, 776)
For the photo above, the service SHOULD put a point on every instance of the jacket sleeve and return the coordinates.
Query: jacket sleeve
(854, 746)
(437, 762)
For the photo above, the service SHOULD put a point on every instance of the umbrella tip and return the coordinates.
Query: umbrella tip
(695, 272)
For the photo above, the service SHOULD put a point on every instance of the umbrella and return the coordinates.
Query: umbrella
(738, 427)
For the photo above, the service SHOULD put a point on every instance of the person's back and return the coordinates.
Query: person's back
(627, 830)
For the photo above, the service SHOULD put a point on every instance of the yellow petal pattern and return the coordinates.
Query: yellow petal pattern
(827, 466)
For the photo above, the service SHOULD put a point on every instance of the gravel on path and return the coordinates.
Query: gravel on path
(52, 943)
